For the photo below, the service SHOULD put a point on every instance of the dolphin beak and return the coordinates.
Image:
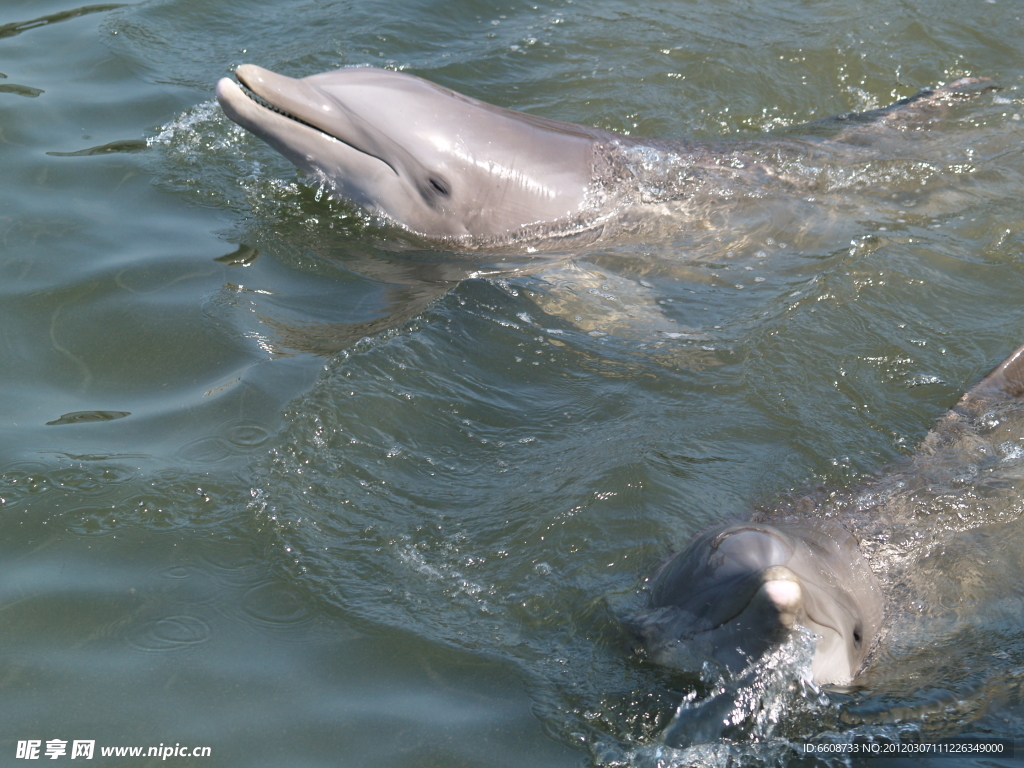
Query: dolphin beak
(305, 103)
(288, 95)
(781, 588)
(236, 104)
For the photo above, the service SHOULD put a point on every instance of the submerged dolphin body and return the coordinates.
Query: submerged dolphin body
(738, 591)
(449, 167)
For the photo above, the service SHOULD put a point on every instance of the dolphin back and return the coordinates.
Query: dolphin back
(986, 414)
(1004, 383)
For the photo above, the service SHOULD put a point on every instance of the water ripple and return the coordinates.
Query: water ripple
(172, 633)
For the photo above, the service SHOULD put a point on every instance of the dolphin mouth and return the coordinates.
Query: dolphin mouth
(249, 88)
(253, 96)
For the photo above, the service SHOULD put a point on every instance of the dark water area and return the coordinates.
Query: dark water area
(286, 482)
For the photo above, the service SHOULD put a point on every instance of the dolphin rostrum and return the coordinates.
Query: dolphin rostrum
(449, 167)
(738, 591)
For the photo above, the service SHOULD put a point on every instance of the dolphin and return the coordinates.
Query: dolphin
(736, 592)
(439, 163)
(449, 167)
(740, 590)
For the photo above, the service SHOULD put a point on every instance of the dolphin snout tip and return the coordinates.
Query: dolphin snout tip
(223, 86)
(248, 73)
(783, 592)
(781, 587)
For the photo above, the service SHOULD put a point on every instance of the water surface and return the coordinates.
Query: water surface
(281, 481)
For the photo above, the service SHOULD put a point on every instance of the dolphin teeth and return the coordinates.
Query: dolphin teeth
(263, 102)
(267, 105)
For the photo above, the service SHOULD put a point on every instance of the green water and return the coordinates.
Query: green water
(281, 482)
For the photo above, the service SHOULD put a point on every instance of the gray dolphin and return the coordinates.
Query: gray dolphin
(447, 166)
(437, 162)
(738, 591)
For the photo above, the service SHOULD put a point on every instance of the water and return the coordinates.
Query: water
(285, 483)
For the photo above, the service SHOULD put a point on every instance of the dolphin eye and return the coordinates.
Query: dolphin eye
(439, 186)
(857, 636)
(434, 190)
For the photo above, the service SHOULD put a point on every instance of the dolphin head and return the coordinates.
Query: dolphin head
(736, 592)
(436, 162)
